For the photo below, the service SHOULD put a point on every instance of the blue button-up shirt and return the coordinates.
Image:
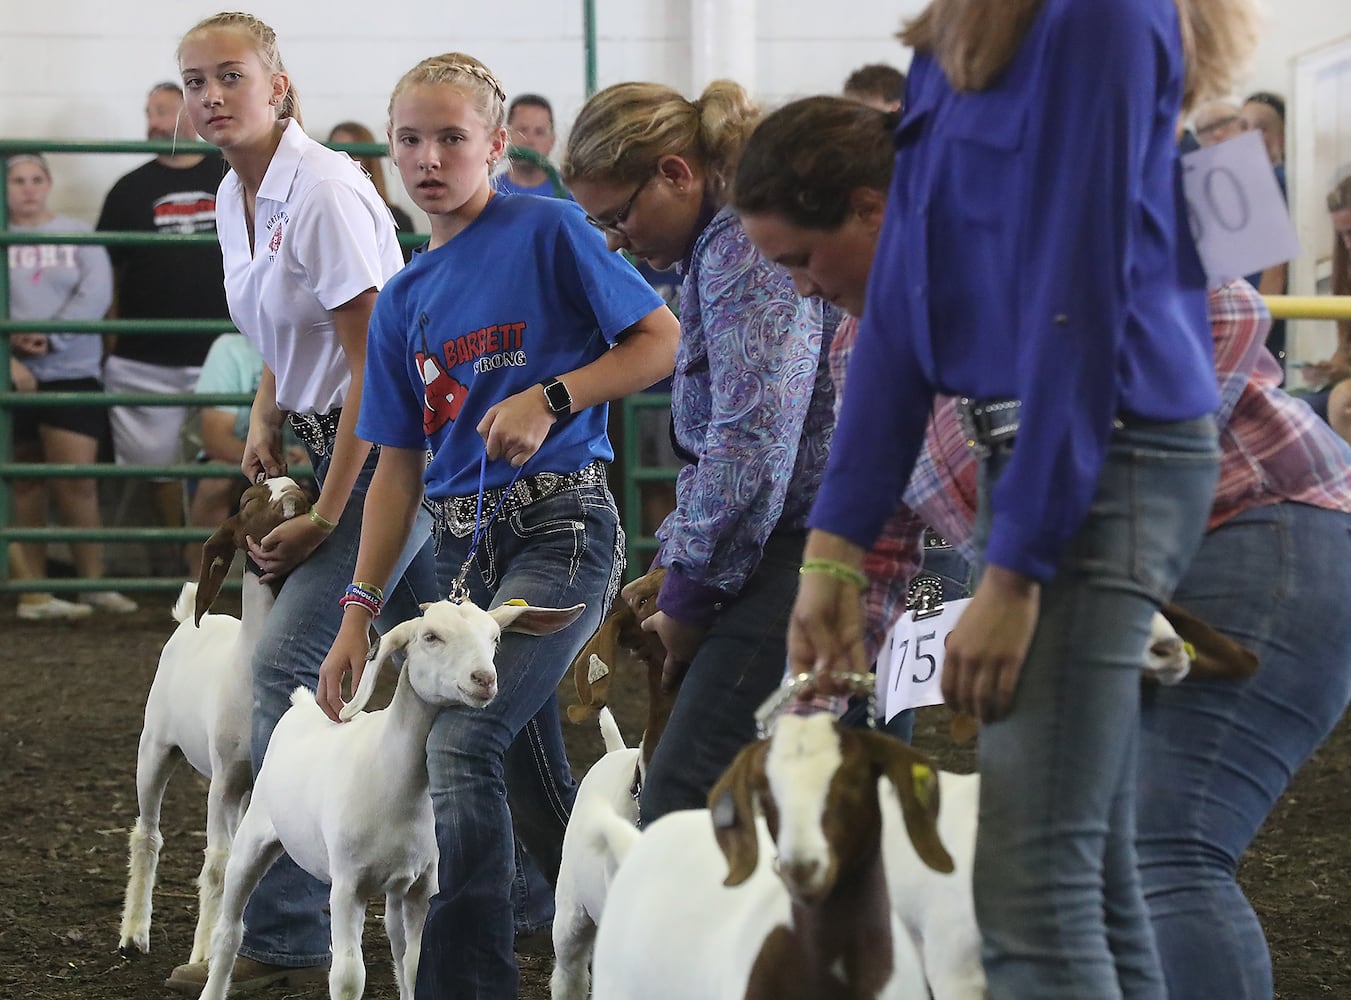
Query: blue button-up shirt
(1035, 247)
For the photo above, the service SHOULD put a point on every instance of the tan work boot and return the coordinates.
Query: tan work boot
(248, 977)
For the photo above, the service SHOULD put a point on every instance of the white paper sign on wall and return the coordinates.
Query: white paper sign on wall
(1238, 218)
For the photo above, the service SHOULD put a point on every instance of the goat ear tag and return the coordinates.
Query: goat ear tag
(596, 669)
(723, 811)
(922, 779)
(516, 602)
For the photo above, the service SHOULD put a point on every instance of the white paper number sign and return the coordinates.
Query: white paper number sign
(910, 667)
(1238, 217)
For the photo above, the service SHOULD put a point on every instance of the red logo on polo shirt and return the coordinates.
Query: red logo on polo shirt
(275, 225)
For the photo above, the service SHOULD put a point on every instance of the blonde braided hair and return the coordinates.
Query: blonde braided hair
(264, 43)
(465, 73)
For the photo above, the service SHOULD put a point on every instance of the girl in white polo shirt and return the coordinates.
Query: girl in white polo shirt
(307, 244)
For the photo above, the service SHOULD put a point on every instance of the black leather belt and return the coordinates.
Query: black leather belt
(988, 423)
(317, 430)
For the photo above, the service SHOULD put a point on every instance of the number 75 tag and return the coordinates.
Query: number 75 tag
(910, 666)
(1238, 218)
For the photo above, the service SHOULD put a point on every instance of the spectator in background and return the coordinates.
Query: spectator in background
(173, 193)
(232, 365)
(1333, 376)
(1265, 112)
(877, 85)
(1217, 121)
(57, 282)
(530, 123)
(347, 132)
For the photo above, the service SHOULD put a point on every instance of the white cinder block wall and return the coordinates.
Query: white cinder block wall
(81, 68)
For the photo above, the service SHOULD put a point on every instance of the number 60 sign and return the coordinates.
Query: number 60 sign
(1238, 217)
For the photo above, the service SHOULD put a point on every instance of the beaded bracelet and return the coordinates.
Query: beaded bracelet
(839, 570)
(322, 521)
(363, 598)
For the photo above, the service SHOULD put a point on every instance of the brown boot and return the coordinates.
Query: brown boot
(248, 977)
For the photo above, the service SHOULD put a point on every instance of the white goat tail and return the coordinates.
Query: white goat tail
(609, 731)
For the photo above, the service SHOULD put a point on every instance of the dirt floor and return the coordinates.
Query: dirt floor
(69, 722)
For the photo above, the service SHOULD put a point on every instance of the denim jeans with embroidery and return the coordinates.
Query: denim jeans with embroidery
(1056, 886)
(285, 923)
(1216, 755)
(507, 761)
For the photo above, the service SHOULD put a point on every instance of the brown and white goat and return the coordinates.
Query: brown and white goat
(697, 910)
(201, 704)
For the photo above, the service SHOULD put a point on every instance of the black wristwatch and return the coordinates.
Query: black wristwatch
(557, 396)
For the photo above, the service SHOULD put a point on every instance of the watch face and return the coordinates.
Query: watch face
(559, 399)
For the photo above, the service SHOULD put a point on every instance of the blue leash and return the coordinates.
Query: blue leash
(459, 593)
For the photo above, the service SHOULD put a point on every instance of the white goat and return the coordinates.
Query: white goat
(350, 803)
(939, 910)
(819, 928)
(605, 796)
(201, 703)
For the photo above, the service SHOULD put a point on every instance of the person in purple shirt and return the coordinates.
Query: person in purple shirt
(1034, 259)
(751, 404)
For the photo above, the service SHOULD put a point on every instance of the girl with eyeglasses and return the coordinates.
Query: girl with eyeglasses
(751, 407)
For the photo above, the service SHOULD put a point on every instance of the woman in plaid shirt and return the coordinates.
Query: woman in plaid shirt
(1273, 571)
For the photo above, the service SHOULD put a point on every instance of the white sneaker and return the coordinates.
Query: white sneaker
(109, 601)
(53, 608)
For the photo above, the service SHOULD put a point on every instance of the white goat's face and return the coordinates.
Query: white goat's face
(450, 655)
(801, 767)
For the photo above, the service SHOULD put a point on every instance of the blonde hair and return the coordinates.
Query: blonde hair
(264, 43)
(624, 130)
(975, 40)
(467, 75)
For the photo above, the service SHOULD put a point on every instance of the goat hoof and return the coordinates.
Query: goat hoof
(129, 950)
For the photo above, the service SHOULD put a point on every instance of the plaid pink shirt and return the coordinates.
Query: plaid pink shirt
(1273, 449)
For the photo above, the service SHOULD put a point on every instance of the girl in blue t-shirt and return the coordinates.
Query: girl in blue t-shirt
(508, 333)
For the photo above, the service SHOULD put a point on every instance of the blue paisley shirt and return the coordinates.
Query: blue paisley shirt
(752, 402)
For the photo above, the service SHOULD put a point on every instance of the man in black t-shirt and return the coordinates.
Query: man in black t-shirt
(173, 193)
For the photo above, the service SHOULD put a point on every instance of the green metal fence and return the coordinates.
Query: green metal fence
(640, 546)
(10, 400)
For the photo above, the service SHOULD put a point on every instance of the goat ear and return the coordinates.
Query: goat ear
(592, 680)
(916, 785)
(535, 621)
(603, 649)
(731, 805)
(1217, 657)
(218, 552)
(395, 639)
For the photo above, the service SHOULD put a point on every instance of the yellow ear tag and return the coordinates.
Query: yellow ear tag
(516, 602)
(922, 778)
(1190, 650)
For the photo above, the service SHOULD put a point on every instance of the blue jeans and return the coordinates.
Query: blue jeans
(739, 664)
(1216, 756)
(285, 922)
(1056, 887)
(559, 551)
